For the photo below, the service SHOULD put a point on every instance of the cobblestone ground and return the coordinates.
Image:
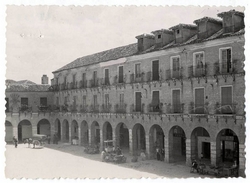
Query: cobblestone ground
(67, 161)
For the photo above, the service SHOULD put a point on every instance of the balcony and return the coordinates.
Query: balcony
(121, 108)
(94, 83)
(106, 108)
(137, 78)
(174, 74)
(137, 108)
(198, 109)
(65, 108)
(175, 109)
(154, 108)
(120, 80)
(43, 108)
(25, 108)
(225, 108)
(105, 81)
(198, 71)
(224, 68)
(94, 108)
(73, 108)
(83, 84)
(55, 108)
(84, 108)
(73, 85)
(150, 76)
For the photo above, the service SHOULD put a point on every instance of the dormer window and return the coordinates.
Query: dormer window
(178, 31)
(159, 36)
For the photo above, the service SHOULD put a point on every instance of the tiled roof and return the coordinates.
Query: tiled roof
(131, 49)
(190, 26)
(145, 35)
(27, 88)
(25, 82)
(214, 20)
(107, 55)
(163, 30)
(230, 12)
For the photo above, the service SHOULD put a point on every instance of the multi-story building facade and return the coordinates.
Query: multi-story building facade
(181, 89)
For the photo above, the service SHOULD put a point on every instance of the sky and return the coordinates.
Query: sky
(42, 39)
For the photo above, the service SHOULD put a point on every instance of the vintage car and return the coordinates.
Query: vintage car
(37, 140)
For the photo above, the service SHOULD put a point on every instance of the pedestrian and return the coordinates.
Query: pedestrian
(158, 156)
(162, 154)
(15, 141)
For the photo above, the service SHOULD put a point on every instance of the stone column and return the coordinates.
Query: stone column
(101, 140)
(114, 138)
(70, 133)
(90, 138)
(188, 152)
(62, 133)
(79, 136)
(213, 153)
(242, 160)
(52, 132)
(131, 150)
(34, 129)
(15, 131)
(166, 145)
(147, 147)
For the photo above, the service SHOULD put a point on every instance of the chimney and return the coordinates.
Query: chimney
(233, 21)
(163, 37)
(183, 32)
(45, 80)
(207, 26)
(145, 41)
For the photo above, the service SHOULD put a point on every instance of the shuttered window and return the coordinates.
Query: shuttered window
(137, 101)
(199, 101)
(155, 69)
(176, 101)
(120, 74)
(226, 100)
(43, 101)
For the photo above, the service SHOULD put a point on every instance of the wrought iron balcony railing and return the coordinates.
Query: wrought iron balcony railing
(94, 83)
(84, 108)
(105, 81)
(175, 108)
(137, 78)
(225, 108)
(154, 108)
(94, 108)
(198, 108)
(198, 71)
(224, 68)
(120, 79)
(120, 108)
(137, 108)
(25, 108)
(83, 84)
(174, 73)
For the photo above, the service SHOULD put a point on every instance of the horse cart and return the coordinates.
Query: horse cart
(112, 154)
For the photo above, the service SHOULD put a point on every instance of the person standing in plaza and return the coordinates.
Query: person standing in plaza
(15, 141)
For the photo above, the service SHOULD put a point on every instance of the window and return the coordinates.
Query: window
(106, 100)
(84, 102)
(65, 80)
(226, 60)
(121, 99)
(43, 101)
(106, 77)
(155, 104)
(155, 70)
(120, 74)
(176, 104)
(226, 100)
(84, 84)
(199, 101)
(178, 31)
(176, 67)
(95, 78)
(95, 101)
(199, 60)
(24, 102)
(138, 70)
(159, 36)
(199, 64)
(65, 100)
(57, 101)
(138, 101)
(74, 78)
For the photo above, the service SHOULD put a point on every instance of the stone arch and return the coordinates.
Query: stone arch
(74, 130)
(107, 131)
(156, 142)
(44, 127)
(24, 129)
(8, 132)
(227, 147)
(122, 136)
(95, 133)
(177, 144)
(200, 144)
(65, 131)
(84, 133)
(138, 138)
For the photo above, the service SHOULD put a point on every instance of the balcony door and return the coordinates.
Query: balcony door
(226, 65)
(226, 100)
(176, 101)
(138, 101)
(120, 74)
(155, 70)
(199, 101)
(155, 101)
(106, 77)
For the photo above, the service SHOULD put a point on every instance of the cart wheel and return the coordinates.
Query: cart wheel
(37, 143)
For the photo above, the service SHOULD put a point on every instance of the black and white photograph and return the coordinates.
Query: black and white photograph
(125, 91)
